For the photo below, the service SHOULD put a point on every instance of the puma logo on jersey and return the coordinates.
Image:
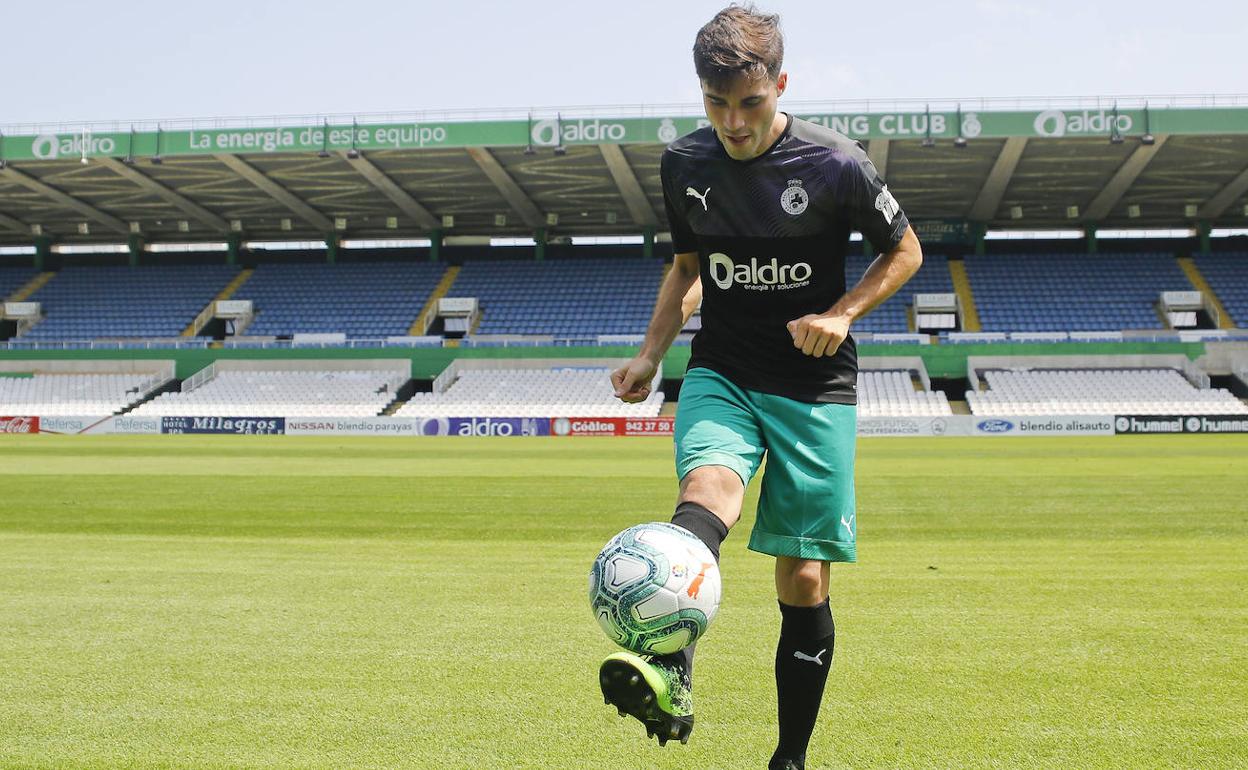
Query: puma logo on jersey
(848, 524)
(809, 658)
(702, 197)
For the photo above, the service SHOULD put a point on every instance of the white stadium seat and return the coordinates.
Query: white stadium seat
(74, 394)
(1097, 391)
(886, 393)
(282, 394)
(529, 393)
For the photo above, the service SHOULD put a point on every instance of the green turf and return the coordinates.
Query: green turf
(376, 603)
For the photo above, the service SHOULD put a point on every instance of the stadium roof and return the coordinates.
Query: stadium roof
(1023, 164)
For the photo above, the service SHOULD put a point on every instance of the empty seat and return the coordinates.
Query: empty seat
(1097, 391)
(570, 392)
(282, 394)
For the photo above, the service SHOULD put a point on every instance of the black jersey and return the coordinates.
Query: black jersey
(771, 235)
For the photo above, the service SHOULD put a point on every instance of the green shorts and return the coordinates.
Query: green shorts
(806, 509)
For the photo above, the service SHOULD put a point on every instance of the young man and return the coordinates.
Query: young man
(761, 206)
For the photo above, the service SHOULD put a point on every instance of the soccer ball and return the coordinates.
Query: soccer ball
(654, 588)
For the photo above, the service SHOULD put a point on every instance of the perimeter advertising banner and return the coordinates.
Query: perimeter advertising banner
(612, 426)
(235, 426)
(571, 130)
(19, 424)
(912, 426)
(1181, 423)
(418, 426)
(1058, 425)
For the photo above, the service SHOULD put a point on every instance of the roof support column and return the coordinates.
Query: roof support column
(435, 244)
(647, 242)
(43, 251)
(134, 245)
(1089, 234)
(539, 241)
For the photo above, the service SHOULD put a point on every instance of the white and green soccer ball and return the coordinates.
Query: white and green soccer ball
(654, 588)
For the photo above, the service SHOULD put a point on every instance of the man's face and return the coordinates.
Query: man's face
(743, 113)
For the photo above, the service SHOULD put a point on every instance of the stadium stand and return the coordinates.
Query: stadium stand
(281, 394)
(1071, 292)
(13, 278)
(74, 394)
(529, 393)
(83, 303)
(886, 393)
(1227, 275)
(564, 298)
(891, 315)
(1097, 391)
(360, 299)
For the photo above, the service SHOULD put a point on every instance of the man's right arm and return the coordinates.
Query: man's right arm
(671, 310)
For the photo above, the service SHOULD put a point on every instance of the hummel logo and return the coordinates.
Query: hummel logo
(810, 659)
(702, 197)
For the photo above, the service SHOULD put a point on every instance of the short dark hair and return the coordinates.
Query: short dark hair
(740, 40)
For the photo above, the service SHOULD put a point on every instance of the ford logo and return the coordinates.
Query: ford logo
(995, 426)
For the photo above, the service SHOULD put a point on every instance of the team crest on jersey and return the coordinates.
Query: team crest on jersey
(794, 199)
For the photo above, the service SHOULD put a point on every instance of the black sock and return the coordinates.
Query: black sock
(711, 530)
(699, 520)
(803, 658)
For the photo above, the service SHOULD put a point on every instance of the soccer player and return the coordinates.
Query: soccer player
(761, 207)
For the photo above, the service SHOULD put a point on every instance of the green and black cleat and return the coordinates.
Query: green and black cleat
(657, 695)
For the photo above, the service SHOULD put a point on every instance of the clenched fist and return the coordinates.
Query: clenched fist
(632, 381)
(818, 335)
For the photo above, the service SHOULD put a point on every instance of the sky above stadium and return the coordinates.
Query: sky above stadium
(74, 60)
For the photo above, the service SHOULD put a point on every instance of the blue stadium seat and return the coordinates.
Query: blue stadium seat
(1071, 292)
(360, 299)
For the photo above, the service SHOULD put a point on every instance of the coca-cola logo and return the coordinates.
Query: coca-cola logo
(19, 424)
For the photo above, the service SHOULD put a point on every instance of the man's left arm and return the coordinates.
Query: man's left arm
(821, 334)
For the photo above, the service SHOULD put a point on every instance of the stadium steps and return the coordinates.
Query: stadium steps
(962, 287)
(1188, 265)
(401, 397)
(233, 285)
(173, 385)
(439, 291)
(32, 286)
(205, 315)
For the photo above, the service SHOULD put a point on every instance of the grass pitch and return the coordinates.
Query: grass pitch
(217, 602)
